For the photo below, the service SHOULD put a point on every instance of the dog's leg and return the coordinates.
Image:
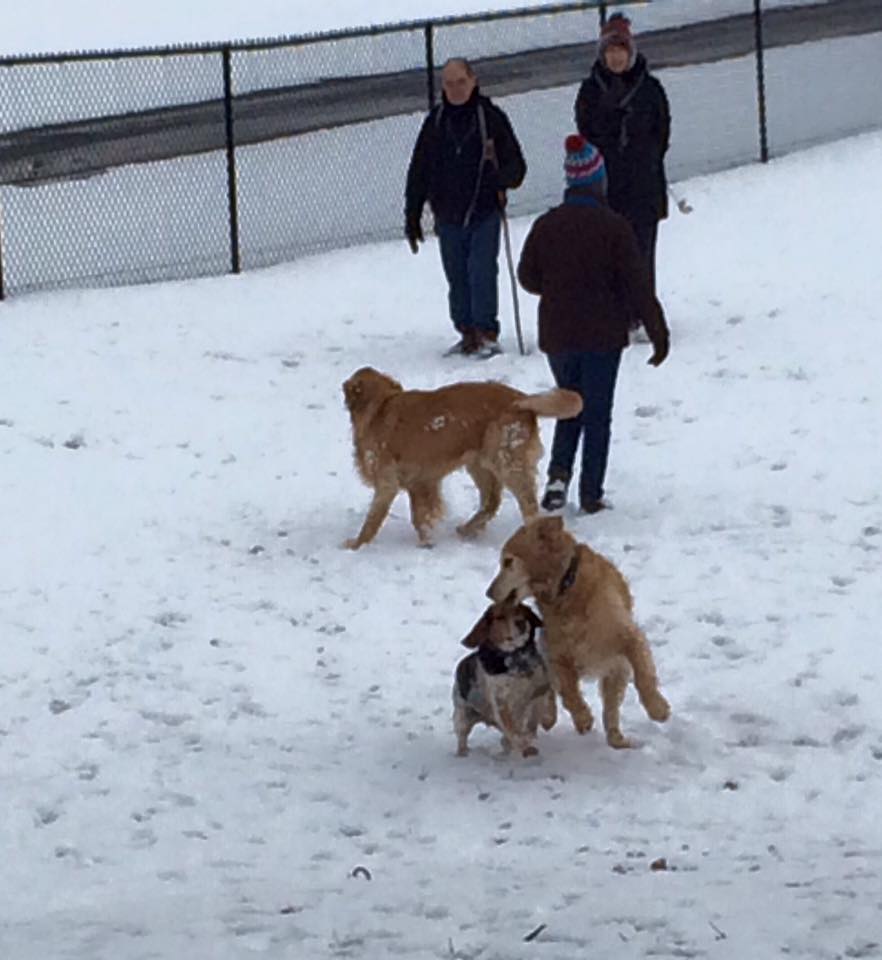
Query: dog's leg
(490, 491)
(571, 694)
(612, 689)
(377, 513)
(462, 727)
(512, 737)
(531, 717)
(645, 678)
(518, 470)
(426, 509)
(522, 483)
(548, 715)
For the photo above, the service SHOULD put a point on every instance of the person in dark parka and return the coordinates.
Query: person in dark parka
(466, 156)
(583, 261)
(623, 110)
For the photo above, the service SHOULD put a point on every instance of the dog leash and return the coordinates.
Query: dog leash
(490, 154)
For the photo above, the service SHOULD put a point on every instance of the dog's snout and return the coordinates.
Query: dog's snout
(500, 591)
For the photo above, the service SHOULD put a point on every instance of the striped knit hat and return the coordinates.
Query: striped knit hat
(583, 164)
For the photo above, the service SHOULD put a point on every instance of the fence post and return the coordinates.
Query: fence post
(761, 80)
(232, 195)
(2, 288)
(602, 13)
(430, 64)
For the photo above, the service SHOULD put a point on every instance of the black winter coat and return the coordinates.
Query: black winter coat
(584, 263)
(628, 119)
(446, 162)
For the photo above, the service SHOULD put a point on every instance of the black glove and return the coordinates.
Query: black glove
(413, 230)
(659, 352)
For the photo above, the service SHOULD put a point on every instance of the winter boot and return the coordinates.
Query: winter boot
(555, 496)
(465, 346)
(488, 347)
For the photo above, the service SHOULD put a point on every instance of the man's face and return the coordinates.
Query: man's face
(458, 83)
(616, 58)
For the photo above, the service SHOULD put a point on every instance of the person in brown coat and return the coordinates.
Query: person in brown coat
(583, 261)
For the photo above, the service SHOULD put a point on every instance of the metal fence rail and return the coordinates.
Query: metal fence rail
(132, 166)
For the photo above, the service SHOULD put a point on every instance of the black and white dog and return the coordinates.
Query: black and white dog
(505, 682)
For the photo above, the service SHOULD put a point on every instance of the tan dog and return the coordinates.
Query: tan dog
(411, 439)
(505, 682)
(589, 627)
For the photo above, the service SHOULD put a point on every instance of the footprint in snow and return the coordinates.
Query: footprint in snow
(780, 516)
(848, 734)
(647, 411)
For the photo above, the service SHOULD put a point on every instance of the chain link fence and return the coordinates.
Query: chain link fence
(149, 165)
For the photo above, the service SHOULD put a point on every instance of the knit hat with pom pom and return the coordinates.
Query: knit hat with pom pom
(617, 32)
(583, 164)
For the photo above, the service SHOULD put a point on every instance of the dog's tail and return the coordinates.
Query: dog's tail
(558, 403)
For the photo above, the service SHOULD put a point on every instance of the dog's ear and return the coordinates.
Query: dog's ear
(534, 621)
(367, 385)
(352, 390)
(480, 632)
(357, 388)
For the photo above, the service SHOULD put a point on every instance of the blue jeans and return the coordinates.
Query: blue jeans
(593, 376)
(470, 257)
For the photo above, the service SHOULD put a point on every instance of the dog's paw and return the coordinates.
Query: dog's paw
(583, 722)
(462, 751)
(658, 708)
(353, 543)
(617, 740)
(468, 532)
(530, 750)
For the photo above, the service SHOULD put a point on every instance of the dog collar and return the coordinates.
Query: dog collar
(569, 577)
(520, 660)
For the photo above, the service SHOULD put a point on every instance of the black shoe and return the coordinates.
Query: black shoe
(592, 506)
(555, 496)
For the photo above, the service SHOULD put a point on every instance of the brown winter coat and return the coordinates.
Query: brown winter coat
(584, 263)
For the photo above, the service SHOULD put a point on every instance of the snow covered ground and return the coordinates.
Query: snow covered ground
(49, 26)
(211, 715)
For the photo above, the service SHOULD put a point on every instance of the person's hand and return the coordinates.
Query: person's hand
(502, 199)
(413, 230)
(659, 352)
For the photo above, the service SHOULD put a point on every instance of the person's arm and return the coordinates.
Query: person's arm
(582, 111)
(529, 265)
(637, 284)
(417, 187)
(511, 166)
(664, 119)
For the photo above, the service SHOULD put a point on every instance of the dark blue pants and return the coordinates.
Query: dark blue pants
(470, 256)
(593, 376)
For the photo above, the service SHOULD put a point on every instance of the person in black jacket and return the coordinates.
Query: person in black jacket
(466, 156)
(623, 110)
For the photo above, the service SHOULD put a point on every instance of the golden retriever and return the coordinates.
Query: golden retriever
(590, 631)
(411, 439)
